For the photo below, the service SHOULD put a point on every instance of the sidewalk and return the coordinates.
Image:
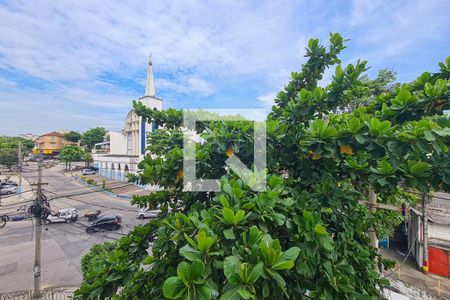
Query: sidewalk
(410, 274)
(118, 188)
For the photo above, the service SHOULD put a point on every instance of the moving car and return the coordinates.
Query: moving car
(63, 216)
(8, 189)
(147, 213)
(107, 222)
(88, 172)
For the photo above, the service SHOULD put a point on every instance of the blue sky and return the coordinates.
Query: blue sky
(75, 65)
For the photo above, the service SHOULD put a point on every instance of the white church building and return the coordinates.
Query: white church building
(126, 148)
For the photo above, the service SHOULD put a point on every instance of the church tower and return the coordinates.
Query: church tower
(151, 101)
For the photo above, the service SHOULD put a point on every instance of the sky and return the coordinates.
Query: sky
(75, 65)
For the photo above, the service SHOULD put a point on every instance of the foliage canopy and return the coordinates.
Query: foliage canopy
(68, 154)
(93, 136)
(306, 234)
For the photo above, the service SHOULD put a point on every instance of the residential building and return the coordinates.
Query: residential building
(120, 155)
(50, 143)
(438, 235)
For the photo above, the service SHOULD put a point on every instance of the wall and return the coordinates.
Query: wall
(48, 142)
(118, 143)
(439, 231)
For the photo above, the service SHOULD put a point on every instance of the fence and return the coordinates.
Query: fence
(51, 294)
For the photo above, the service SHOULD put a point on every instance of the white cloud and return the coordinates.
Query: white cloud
(186, 85)
(7, 83)
(267, 100)
(81, 52)
(391, 29)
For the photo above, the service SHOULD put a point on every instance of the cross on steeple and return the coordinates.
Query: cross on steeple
(150, 84)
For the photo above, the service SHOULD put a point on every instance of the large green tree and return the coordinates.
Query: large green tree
(72, 136)
(93, 136)
(8, 157)
(9, 149)
(306, 235)
(7, 142)
(69, 154)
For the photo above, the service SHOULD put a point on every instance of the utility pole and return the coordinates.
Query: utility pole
(373, 209)
(425, 231)
(37, 243)
(372, 233)
(19, 154)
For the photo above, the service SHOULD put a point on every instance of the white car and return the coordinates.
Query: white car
(63, 216)
(147, 213)
(8, 189)
(88, 172)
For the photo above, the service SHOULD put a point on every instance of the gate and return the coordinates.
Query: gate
(439, 261)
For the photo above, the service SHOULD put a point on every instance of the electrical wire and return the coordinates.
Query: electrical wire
(100, 205)
(84, 193)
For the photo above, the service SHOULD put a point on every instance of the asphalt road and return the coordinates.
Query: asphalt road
(63, 244)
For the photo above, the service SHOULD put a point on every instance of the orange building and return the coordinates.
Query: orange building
(50, 143)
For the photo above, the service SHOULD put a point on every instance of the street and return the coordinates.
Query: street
(63, 244)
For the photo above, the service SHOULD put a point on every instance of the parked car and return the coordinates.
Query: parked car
(8, 189)
(7, 182)
(107, 222)
(88, 172)
(63, 216)
(147, 213)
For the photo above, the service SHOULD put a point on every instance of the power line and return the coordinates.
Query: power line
(94, 204)
(83, 193)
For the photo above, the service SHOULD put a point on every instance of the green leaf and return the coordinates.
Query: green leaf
(283, 265)
(420, 168)
(290, 254)
(231, 293)
(190, 241)
(429, 136)
(229, 234)
(240, 215)
(256, 272)
(184, 272)
(244, 293)
(228, 215)
(203, 292)
(227, 188)
(223, 200)
(320, 230)
(190, 253)
(279, 280)
(148, 260)
(354, 125)
(275, 180)
(173, 288)
(197, 269)
(231, 269)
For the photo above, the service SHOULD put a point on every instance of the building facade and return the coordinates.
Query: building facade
(438, 235)
(50, 143)
(120, 156)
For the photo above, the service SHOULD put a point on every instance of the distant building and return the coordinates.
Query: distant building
(438, 235)
(50, 143)
(126, 148)
(29, 136)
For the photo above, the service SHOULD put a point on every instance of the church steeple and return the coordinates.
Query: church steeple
(150, 84)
